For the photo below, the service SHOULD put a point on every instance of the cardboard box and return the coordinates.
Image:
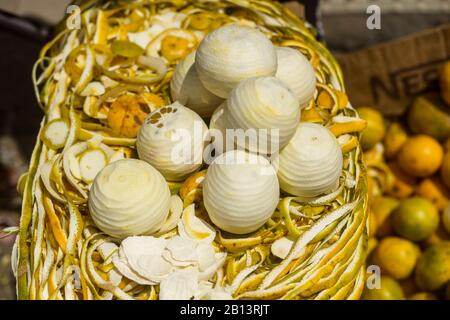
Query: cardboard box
(296, 7)
(50, 11)
(389, 75)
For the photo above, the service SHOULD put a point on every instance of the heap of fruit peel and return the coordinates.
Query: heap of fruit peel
(112, 209)
(409, 192)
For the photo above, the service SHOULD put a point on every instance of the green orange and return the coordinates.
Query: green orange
(433, 268)
(415, 219)
(389, 289)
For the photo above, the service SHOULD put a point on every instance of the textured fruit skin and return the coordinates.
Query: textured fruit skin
(375, 130)
(127, 114)
(415, 219)
(433, 268)
(396, 257)
(445, 170)
(395, 137)
(421, 156)
(426, 116)
(389, 290)
(444, 81)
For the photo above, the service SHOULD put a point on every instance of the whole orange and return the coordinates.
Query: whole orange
(421, 156)
(415, 219)
(389, 289)
(396, 257)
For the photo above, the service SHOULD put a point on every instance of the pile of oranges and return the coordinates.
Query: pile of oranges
(409, 188)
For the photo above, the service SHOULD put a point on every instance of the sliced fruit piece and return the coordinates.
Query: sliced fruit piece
(74, 166)
(91, 162)
(55, 133)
